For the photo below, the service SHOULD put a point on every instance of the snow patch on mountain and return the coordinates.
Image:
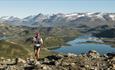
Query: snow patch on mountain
(62, 19)
(112, 17)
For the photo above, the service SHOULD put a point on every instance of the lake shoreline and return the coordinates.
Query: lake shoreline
(91, 42)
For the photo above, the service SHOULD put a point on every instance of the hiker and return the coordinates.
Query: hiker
(38, 43)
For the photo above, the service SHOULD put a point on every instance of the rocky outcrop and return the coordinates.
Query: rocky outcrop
(89, 61)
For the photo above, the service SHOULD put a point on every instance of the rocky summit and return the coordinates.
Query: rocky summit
(89, 61)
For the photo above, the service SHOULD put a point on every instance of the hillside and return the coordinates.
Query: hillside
(104, 33)
(9, 49)
(17, 40)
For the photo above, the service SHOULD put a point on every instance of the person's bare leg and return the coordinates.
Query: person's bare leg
(38, 53)
(35, 54)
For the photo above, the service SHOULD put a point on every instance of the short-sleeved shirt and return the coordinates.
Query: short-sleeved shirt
(37, 41)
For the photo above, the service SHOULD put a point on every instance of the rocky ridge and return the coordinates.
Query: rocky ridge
(89, 61)
(87, 19)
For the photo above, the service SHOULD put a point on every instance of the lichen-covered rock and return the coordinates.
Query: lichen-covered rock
(89, 61)
(93, 54)
(20, 60)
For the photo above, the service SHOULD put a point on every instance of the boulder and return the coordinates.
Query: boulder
(113, 66)
(71, 55)
(3, 67)
(30, 61)
(93, 54)
(20, 60)
(54, 57)
(45, 67)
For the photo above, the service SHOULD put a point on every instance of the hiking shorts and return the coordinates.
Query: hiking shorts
(36, 46)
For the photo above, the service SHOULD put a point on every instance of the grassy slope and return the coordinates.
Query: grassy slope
(21, 46)
(9, 49)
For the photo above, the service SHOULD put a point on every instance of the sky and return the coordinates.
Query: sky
(24, 8)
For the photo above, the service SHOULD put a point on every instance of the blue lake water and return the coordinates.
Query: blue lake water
(79, 46)
(2, 37)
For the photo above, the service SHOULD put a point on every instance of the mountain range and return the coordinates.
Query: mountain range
(60, 19)
(56, 29)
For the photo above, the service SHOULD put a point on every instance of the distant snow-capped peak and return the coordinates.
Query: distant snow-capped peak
(69, 15)
(11, 18)
(61, 18)
(5, 17)
(112, 17)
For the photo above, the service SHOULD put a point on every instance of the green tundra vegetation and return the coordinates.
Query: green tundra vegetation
(18, 39)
